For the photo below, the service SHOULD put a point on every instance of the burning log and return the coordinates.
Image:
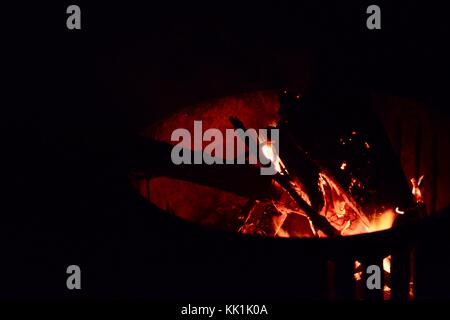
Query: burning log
(319, 222)
(154, 161)
(264, 219)
(284, 180)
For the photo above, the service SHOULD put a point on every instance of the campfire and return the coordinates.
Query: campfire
(307, 199)
(320, 190)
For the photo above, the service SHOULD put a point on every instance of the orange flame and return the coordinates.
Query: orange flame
(383, 221)
(416, 188)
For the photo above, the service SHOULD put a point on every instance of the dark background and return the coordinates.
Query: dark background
(75, 98)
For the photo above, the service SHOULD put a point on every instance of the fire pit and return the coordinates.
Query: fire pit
(339, 183)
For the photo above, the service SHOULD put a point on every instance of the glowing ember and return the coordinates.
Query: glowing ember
(387, 264)
(340, 209)
(343, 165)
